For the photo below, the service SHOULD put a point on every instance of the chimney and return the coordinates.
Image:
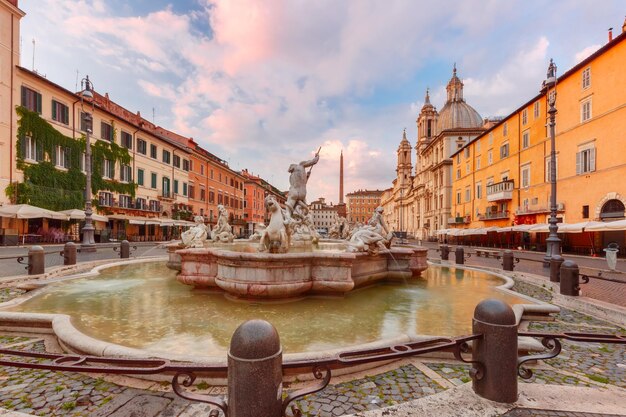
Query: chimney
(610, 34)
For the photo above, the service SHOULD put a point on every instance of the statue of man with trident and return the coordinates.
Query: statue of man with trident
(297, 185)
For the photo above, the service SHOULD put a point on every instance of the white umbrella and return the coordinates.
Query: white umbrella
(606, 226)
(504, 229)
(26, 211)
(77, 214)
(540, 228)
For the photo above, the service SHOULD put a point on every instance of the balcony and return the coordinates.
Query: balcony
(494, 215)
(459, 220)
(537, 209)
(500, 191)
(166, 195)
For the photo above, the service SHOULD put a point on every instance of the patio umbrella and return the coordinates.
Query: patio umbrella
(76, 214)
(26, 211)
(606, 226)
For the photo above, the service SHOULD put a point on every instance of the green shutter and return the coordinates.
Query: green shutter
(24, 96)
(54, 111)
(578, 163)
(38, 102)
(66, 115)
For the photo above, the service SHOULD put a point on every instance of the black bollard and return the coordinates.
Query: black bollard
(445, 252)
(507, 260)
(569, 278)
(255, 371)
(36, 260)
(124, 249)
(496, 351)
(69, 253)
(555, 268)
(459, 255)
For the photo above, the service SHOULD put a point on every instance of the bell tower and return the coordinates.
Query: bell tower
(404, 167)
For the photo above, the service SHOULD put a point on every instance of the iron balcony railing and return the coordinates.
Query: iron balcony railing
(459, 220)
(494, 215)
(537, 208)
(500, 191)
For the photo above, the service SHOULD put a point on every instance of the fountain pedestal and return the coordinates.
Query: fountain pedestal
(290, 275)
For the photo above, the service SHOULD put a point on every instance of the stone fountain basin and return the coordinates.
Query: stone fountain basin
(250, 275)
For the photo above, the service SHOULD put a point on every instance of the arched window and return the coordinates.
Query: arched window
(612, 209)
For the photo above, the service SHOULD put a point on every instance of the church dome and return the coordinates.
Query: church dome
(456, 113)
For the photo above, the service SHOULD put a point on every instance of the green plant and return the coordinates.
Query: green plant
(598, 378)
(67, 406)
(202, 385)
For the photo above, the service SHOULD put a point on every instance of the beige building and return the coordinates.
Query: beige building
(324, 215)
(361, 204)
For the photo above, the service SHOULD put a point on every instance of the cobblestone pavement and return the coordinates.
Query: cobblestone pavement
(10, 267)
(73, 394)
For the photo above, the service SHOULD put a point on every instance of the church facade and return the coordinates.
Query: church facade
(420, 200)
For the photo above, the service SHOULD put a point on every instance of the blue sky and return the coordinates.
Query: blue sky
(264, 84)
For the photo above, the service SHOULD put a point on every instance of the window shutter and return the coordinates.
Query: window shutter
(66, 115)
(68, 153)
(24, 96)
(592, 159)
(23, 146)
(53, 156)
(578, 162)
(38, 96)
(54, 111)
(111, 169)
(39, 151)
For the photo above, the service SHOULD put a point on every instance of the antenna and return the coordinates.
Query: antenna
(33, 67)
(76, 86)
(153, 115)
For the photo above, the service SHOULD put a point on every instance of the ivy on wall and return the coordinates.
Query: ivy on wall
(57, 189)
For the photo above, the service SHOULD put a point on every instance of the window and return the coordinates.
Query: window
(105, 199)
(60, 112)
(153, 151)
(458, 173)
(108, 169)
(479, 190)
(536, 109)
(211, 197)
(185, 189)
(166, 156)
(176, 161)
(186, 164)
(585, 110)
(467, 167)
(127, 140)
(526, 139)
(505, 129)
(504, 150)
(548, 165)
(153, 180)
(524, 116)
(201, 169)
(31, 99)
(477, 146)
(586, 77)
(166, 187)
(490, 157)
(478, 162)
(140, 203)
(458, 197)
(468, 194)
(491, 138)
(525, 183)
(192, 191)
(106, 131)
(466, 152)
(586, 160)
(62, 157)
(154, 205)
(175, 186)
(140, 173)
(31, 149)
(585, 212)
(125, 201)
(86, 122)
(126, 173)
(142, 146)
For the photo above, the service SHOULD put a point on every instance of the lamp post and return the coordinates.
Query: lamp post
(89, 244)
(553, 243)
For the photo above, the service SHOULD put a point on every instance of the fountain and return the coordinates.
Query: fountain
(290, 260)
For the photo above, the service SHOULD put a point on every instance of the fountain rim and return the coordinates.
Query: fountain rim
(73, 340)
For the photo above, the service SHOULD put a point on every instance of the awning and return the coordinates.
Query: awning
(504, 229)
(76, 214)
(606, 226)
(153, 222)
(522, 227)
(26, 211)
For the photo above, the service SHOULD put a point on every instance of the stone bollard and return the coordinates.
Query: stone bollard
(255, 372)
(569, 278)
(36, 261)
(496, 351)
(507, 260)
(459, 254)
(445, 252)
(69, 253)
(555, 268)
(124, 249)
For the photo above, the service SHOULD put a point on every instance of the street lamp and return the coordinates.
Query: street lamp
(553, 243)
(89, 244)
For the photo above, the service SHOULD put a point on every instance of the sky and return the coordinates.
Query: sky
(263, 84)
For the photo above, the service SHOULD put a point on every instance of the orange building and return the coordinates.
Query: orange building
(255, 191)
(501, 178)
(362, 203)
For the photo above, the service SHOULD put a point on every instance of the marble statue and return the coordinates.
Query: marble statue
(196, 235)
(297, 184)
(259, 228)
(340, 229)
(373, 237)
(222, 231)
(301, 227)
(274, 238)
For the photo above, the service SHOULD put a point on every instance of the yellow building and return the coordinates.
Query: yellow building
(501, 177)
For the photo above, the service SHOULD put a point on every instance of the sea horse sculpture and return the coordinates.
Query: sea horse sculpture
(274, 238)
(222, 231)
(373, 237)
